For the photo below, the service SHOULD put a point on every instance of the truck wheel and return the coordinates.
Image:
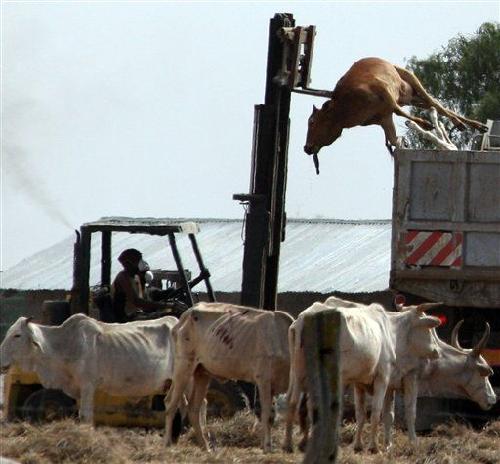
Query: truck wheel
(46, 405)
(225, 399)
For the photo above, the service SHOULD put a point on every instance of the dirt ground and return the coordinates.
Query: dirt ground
(235, 442)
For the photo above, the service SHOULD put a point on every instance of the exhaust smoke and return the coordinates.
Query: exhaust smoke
(35, 189)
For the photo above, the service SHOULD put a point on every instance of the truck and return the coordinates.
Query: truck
(446, 246)
(25, 397)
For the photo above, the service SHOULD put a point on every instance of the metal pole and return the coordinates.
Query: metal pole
(180, 267)
(106, 257)
(203, 269)
(265, 219)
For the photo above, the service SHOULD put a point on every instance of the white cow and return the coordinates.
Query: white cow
(455, 373)
(84, 355)
(459, 372)
(231, 342)
(379, 351)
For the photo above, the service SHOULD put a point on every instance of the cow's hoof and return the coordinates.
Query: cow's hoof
(358, 448)
(287, 448)
(267, 449)
(302, 445)
(374, 449)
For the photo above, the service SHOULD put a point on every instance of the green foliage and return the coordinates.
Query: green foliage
(465, 77)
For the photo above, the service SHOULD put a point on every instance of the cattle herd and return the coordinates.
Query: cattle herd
(381, 352)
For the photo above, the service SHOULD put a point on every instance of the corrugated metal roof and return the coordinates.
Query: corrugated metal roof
(320, 255)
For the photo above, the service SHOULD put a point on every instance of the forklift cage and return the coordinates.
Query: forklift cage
(80, 291)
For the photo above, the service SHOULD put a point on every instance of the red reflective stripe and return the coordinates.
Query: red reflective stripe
(447, 250)
(424, 247)
(410, 235)
(457, 262)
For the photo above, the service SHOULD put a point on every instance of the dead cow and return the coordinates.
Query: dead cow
(379, 351)
(228, 342)
(369, 93)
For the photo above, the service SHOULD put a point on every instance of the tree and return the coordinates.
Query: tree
(465, 77)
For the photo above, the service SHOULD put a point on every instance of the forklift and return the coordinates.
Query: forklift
(24, 396)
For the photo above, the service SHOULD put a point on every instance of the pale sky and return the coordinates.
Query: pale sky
(146, 108)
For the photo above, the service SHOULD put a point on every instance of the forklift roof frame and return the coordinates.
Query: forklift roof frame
(80, 292)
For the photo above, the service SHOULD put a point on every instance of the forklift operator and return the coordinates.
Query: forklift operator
(127, 290)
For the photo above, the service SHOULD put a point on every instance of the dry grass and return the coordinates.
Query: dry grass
(235, 442)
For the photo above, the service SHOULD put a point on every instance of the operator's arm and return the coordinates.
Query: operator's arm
(130, 288)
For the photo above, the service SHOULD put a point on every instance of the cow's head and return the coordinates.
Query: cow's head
(473, 375)
(421, 342)
(19, 345)
(323, 128)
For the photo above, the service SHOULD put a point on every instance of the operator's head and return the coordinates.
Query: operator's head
(132, 259)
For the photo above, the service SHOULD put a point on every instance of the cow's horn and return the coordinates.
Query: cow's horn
(482, 343)
(426, 306)
(29, 319)
(454, 335)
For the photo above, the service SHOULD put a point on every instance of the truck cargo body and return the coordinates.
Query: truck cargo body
(446, 238)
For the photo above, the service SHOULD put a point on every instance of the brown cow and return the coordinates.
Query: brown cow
(226, 341)
(369, 93)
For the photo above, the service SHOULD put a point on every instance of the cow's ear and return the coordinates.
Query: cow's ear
(315, 110)
(35, 337)
(429, 322)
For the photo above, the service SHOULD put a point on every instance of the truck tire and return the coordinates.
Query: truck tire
(46, 405)
(225, 399)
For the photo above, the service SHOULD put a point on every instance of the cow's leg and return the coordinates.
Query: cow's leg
(422, 97)
(292, 399)
(388, 97)
(197, 409)
(305, 411)
(388, 418)
(391, 138)
(410, 400)
(360, 410)
(424, 124)
(379, 391)
(266, 399)
(86, 413)
(183, 372)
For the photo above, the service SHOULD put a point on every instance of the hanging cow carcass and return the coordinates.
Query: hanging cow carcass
(369, 93)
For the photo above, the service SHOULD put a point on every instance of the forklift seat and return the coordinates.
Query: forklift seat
(107, 313)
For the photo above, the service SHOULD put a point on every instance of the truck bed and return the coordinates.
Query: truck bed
(446, 226)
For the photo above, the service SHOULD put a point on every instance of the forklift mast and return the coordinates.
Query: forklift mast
(288, 66)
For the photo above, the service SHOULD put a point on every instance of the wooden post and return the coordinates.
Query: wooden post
(321, 339)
